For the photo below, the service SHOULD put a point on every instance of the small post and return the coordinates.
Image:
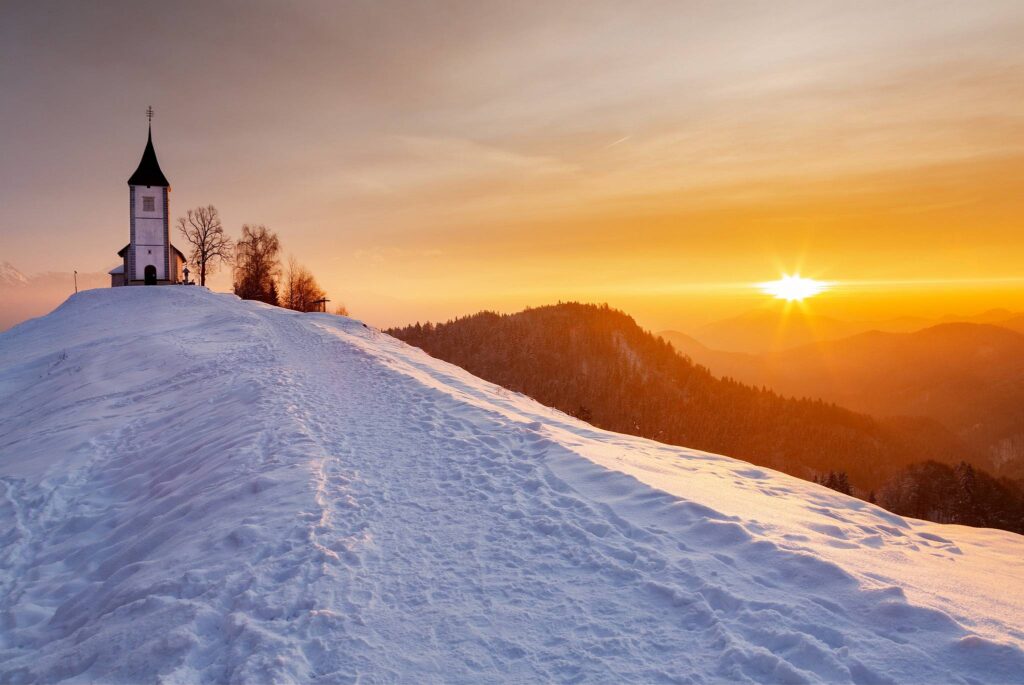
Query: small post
(76, 281)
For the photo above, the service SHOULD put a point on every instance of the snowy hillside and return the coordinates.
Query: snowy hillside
(199, 489)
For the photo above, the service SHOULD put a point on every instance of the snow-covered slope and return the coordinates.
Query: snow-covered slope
(199, 489)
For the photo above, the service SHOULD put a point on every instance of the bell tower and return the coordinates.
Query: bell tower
(149, 259)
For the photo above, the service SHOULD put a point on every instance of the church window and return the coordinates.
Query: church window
(147, 203)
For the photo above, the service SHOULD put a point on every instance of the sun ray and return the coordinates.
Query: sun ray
(793, 287)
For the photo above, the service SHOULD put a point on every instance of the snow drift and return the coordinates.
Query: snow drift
(199, 489)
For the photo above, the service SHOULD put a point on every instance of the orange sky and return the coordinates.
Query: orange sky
(430, 162)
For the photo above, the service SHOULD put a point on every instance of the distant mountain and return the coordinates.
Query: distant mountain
(742, 366)
(1015, 323)
(779, 325)
(994, 316)
(24, 297)
(598, 364)
(10, 277)
(967, 376)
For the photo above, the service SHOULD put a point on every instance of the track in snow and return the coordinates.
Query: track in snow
(251, 494)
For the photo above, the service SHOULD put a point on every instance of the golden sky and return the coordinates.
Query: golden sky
(427, 162)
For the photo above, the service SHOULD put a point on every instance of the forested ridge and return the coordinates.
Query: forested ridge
(596, 363)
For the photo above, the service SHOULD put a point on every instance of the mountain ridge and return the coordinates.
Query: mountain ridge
(968, 376)
(781, 326)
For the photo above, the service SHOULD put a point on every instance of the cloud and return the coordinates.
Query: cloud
(414, 165)
(378, 255)
(547, 143)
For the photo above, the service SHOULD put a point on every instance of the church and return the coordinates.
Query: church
(149, 258)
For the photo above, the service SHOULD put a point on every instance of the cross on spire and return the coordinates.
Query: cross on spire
(149, 114)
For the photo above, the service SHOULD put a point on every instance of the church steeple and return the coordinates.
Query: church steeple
(149, 173)
(149, 258)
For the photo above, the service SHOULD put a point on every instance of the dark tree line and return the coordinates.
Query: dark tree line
(836, 480)
(959, 494)
(597, 364)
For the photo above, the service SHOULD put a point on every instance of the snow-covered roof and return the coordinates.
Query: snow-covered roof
(119, 269)
(121, 252)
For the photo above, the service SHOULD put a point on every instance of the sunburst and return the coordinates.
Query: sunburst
(794, 287)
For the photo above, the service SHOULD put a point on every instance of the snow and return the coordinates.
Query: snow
(11, 277)
(200, 489)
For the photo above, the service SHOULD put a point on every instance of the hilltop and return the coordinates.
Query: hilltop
(201, 489)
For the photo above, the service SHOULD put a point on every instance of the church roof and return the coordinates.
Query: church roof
(121, 252)
(149, 173)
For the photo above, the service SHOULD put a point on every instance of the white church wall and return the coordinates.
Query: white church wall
(141, 192)
(151, 242)
(149, 231)
(150, 254)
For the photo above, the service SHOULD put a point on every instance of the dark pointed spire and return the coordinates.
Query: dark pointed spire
(149, 173)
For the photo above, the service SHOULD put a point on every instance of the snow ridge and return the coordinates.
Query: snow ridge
(200, 489)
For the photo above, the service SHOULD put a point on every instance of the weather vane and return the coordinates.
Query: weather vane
(149, 114)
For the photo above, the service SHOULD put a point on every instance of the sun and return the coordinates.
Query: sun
(793, 287)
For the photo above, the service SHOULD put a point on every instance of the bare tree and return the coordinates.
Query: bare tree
(300, 292)
(257, 265)
(202, 229)
(341, 310)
